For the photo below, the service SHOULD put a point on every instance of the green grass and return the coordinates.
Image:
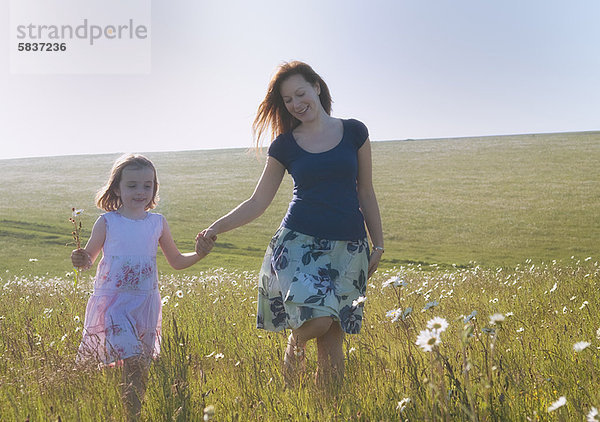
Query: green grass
(509, 212)
(493, 200)
(530, 365)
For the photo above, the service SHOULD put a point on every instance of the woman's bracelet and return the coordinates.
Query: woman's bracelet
(379, 248)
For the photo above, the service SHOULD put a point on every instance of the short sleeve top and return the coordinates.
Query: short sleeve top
(325, 200)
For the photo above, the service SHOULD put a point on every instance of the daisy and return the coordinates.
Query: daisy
(209, 413)
(179, 294)
(394, 281)
(402, 404)
(77, 213)
(395, 314)
(437, 324)
(592, 415)
(427, 339)
(496, 319)
(557, 404)
(580, 346)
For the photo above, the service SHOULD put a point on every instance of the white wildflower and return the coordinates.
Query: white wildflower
(402, 404)
(219, 356)
(33, 260)
(427, 339)
(395, 314)
(557, 404)
(77, 213)
(592, 415)
(554, 287)
(76, 318)
(437, 324)
(394, 282)
(209, 413)
(581, 346)
(165, 300)
(583, 305)
(496, 319)
(179, 294)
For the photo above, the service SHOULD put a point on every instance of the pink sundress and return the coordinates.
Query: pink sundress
(123, 315)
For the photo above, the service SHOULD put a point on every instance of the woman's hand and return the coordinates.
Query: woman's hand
(374, 261)
(204, 244)
(81, 259)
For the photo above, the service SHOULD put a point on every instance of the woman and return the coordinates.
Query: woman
(318, 262)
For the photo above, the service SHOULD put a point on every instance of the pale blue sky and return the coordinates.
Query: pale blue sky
(408, 69)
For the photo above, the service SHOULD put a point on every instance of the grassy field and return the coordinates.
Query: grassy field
(518, 216)
(494, 201)
(212, 354)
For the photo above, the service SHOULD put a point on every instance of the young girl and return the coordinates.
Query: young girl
(123, 315)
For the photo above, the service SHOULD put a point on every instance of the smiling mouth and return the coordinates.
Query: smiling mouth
(302, 111)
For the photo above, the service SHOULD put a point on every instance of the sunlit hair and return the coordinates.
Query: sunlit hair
(272, 117)
(107, 198)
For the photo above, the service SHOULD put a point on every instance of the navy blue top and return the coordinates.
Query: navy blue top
(325, 202)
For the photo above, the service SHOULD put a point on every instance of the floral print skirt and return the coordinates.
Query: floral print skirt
(303, 277)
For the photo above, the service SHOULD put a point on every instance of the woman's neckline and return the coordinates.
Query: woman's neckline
(328, 150)
(146, 214)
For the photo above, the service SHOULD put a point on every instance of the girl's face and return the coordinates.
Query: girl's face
(136, 188)
(301, 98)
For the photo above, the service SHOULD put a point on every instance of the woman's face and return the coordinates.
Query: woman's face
(301, 98)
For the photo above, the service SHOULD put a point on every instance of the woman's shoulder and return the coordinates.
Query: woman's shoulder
(354, 124)
(280, 147)
(357, 131)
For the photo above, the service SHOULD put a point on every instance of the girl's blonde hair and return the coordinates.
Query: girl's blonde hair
(107, 198)
(272, 116)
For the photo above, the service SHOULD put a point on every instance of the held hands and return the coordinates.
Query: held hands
(81, 259)
(205, 243)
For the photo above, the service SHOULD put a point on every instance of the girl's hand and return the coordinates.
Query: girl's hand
(374, 261)
(210, 233)
(81, 259)
(204, 244)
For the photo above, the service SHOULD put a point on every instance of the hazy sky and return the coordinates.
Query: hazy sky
(408, 69)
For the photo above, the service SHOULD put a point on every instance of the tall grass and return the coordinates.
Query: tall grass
(213, 355)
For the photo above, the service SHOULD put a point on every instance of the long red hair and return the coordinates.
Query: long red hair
(272, 118)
